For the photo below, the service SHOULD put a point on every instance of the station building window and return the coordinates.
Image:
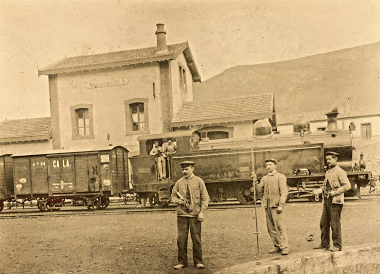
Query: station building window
(366, 131)
(82, 121)
(182, 79)
(136, 116)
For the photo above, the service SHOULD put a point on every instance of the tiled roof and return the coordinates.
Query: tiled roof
(319, 115)
(120, 58)
(226, 110)
(32, 129)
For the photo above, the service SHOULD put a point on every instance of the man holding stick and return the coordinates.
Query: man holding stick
(275, 193)
(191, 196)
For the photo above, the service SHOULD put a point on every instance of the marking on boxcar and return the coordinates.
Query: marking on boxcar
(1, 163)
(38, 164)
(66, 163)
(55, 163)
(62, 185)
(22, 180)
(144, 170)
(106, 182)
(19, 186)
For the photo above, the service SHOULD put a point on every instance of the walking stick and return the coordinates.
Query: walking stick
(254, 201)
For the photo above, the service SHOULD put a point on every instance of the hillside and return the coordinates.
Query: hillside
(348, 76)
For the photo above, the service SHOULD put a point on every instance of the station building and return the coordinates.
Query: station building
(112, 98)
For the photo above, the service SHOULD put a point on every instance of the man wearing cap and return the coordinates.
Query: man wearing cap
(334, 186)
(191, 196)
(275, 193)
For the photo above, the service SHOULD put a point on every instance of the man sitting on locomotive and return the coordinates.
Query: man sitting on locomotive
(334, 186)
(160, 159)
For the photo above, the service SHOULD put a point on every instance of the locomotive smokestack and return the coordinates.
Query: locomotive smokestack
(332, 120)
(161, 39)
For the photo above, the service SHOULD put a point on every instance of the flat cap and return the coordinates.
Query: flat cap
(332, 153)
(273, 160)
(187, 163)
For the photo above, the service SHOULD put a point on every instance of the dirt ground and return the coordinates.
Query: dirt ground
(145, 242)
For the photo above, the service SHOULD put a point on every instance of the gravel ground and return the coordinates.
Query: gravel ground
(146, 242)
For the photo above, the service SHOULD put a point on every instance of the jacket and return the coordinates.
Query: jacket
(339, 183)
(199, 197)
(275, 189)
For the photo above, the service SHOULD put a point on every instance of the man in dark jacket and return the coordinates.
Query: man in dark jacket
(191, 196)
(334, 186)
(274, 197)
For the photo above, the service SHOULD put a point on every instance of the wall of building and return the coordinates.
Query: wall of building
(179, 97)
(25, 148)
(113, 88)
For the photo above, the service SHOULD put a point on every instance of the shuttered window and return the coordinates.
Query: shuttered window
(366, 131)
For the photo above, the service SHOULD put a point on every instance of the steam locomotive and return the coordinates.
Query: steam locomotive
(227, 165)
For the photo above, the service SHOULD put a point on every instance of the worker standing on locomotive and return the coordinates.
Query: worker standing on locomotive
(334, 186)
(191, 196)
(158, 152)
(275, 192)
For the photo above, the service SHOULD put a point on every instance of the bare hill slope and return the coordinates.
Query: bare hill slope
(348, 76)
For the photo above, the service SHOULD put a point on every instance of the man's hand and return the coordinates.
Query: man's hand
(280, 209)
(201, 217)
(181, 202)
(332, 193)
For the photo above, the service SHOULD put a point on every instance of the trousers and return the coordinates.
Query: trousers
(184, 224)
(161, 166)
(276, 227)
(331, 217)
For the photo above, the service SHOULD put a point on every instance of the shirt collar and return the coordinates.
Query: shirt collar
(272, 173)
(191, 176)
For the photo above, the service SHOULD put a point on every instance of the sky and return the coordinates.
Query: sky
(221, 34)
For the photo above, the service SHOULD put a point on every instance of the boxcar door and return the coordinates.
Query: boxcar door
(39, 171)
(93, 173)
(87, 173)
(61, 174)
(105, 173)
(22, 176)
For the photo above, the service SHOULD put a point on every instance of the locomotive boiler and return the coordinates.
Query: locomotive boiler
(226, 165)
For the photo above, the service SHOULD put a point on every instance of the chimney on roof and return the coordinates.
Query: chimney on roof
(161, 39)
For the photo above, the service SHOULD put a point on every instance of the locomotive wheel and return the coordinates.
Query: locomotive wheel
(1, 205)
(245, 196)
(104, 202)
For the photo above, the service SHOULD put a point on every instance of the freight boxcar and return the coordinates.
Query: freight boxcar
(6, 179)
(226, 165)
(86, 177)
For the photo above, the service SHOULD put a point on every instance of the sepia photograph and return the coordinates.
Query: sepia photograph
(174, 136)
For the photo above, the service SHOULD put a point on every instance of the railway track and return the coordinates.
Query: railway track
(118, 207)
